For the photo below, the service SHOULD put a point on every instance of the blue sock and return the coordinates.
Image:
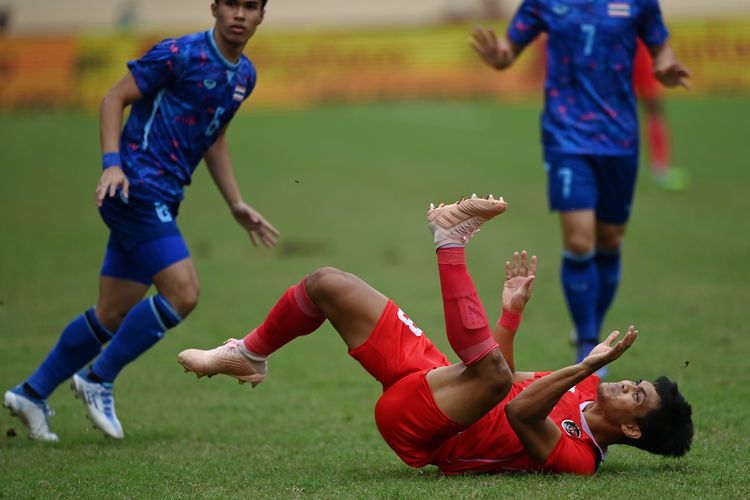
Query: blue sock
(79, 343)
(142, 327)
(580, 282)
(608, 264)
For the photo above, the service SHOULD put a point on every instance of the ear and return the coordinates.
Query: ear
(214, 6)
(631, 430)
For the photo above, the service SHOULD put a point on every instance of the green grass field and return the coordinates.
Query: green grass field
(349, 187)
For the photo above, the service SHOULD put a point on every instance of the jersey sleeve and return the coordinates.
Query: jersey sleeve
(651, 28)
(157, 68)
(572, 455)
(527, 23)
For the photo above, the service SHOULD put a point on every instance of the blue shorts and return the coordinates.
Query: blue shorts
(605, 184)
(144, 239)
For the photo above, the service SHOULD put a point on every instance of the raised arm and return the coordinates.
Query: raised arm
(519, 278)
(123, 94)
(220, 166)
(528, 413)
(667, 69)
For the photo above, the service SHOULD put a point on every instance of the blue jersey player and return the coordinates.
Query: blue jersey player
(589, 130)
(183, 94)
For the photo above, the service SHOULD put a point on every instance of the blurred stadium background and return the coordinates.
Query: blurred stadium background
(66, 54)
(364, 112)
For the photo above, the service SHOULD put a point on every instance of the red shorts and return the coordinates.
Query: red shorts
(399, 355)
(646, 86)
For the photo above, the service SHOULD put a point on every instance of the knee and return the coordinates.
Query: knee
(579, 244)
(110, 317)
(609, 242)
(496, 373)
(325, 282)
(184, 299)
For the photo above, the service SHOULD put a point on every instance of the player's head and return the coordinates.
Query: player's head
(667, 429)
(237, 20)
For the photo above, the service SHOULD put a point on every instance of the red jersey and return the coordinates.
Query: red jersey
(491, 445)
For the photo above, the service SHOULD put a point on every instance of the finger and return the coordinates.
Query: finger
(252, 238)
(514, 268)
(507, 270)
(482, 37)
(112, 189)
(684, 83)
(270, 228)
(612, 337)
(99, 193)
(533, 265)
(126, 189)
(527, 284)
(524, 263)
(493, 38)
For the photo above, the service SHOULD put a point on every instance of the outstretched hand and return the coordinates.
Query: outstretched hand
(673, 74)
(255, 225)
(605, 352)
(111, 180)
(519, 277)
(493, 50)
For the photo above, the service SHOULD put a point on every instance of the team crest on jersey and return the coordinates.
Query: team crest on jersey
(618, 9)
(209, 84)
(560, 9)
(239, 93)
(571, 428)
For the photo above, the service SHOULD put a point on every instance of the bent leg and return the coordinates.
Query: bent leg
(148, 321)
(352, 306)
(466, 393)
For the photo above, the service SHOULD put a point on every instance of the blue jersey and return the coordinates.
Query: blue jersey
(190, 92)
(590, 106)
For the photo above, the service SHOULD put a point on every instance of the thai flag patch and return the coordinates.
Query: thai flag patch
(618, 9)
(239, 93)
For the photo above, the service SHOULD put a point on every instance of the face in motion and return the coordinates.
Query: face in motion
(237, 20)
(626, 400)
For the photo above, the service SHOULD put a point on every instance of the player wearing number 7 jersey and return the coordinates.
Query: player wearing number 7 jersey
(182, 94)
(589, 131)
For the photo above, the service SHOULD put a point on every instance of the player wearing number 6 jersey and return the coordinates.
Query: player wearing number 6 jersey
(182, 93)
(589, 131)
(478, 415)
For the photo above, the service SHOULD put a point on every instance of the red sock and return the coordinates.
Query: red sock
(293, 315)
(465, 321)
(659, 140)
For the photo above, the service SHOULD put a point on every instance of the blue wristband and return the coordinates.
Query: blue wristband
(110, 160)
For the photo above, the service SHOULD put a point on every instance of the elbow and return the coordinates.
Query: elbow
(511, 413)
(110, 100)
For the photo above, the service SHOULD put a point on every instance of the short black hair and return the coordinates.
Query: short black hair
(667, 430)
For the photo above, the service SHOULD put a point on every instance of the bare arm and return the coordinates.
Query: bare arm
(220, 166)
(496, 52)
(667, 69)
(528, 413)
(123, 94)
(519, 278)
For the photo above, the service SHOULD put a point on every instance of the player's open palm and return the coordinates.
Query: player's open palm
(519, 278)
(606, 352)
(255, 224)
(494, 51)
